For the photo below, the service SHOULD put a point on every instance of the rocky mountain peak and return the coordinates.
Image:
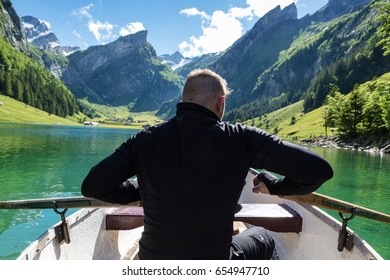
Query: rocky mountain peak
(11, 27)
(38, 34)
(96, 56)
(126, 71)
(34, 27)
(129, 42)
(175, 60)
(258, 49)
(276, 16)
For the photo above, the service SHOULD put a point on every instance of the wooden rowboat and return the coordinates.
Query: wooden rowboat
(102, 231)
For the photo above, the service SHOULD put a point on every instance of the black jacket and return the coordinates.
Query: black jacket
(190, 173)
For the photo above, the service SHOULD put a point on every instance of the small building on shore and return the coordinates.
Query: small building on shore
(91, 124)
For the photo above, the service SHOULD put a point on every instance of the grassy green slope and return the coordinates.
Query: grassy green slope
(120, 115)
(291, 123)
(15, 111)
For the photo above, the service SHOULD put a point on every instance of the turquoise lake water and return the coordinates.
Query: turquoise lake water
(41, 161)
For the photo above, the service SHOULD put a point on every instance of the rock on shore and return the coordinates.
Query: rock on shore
(378, 145)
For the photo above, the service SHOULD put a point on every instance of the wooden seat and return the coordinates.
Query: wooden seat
(125, 218)
(274, 217)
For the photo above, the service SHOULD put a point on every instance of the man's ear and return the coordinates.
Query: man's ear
(220, 106)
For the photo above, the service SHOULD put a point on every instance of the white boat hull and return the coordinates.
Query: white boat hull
(318, 239)
(89, 239)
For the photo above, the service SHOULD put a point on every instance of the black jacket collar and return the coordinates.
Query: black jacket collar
(189, 108)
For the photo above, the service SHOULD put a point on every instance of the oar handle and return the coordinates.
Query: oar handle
(59, 202)
(331, 203)
(328, 202)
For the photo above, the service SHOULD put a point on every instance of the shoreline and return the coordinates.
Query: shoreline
(371, 144)
(102, 125)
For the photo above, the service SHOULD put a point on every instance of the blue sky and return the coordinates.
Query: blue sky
(193, 27)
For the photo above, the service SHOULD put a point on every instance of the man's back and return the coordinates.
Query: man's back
(192, 170)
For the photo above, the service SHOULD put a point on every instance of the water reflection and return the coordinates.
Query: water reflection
(362, 178)
(38, 161)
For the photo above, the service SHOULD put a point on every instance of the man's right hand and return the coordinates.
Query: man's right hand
(259, 186)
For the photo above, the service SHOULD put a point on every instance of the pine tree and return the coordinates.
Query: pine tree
(372, 114)
(351, 113)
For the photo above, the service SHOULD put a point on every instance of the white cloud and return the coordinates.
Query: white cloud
(75, 33)
(131, 28)
(222, 29)
(195, 12)
(83, 12)
(219, 32)
(241, 12)
(101, 30)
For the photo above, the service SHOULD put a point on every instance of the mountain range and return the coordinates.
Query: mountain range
(275, 63)
(38, 34)
(124, 72)
(281, 60)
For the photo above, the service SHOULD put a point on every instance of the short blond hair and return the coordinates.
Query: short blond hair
(203, 86)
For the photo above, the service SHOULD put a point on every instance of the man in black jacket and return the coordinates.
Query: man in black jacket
(191, 171)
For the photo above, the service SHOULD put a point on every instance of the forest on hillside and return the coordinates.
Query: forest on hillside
(25, 80)
(365, 111)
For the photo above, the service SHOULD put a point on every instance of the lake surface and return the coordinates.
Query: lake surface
(38, 161)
